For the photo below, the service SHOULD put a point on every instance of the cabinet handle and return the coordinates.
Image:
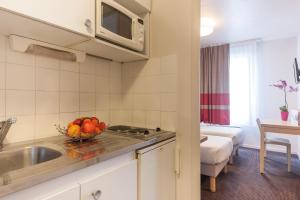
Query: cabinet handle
(96, 195)
(88, 23)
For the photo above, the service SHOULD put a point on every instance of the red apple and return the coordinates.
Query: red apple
(87, 126)
(77, 121)
(102, 125)
(95, 120)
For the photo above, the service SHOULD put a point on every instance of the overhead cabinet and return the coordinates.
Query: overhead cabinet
(77, 16)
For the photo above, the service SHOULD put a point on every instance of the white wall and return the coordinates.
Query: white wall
(275, 62)
(42, 91)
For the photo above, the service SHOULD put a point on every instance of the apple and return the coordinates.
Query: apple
(73, 130)
(95, 120)
(98, 130)
(102, 126)
(88, 126)
(77, 121)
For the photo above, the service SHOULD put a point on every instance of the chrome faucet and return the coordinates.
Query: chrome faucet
(4, 128)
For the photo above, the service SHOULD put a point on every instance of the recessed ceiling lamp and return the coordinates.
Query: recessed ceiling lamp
(207, 26)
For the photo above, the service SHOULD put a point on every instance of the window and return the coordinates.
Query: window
(242, 83)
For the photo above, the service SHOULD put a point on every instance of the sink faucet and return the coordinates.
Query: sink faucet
(4, 128)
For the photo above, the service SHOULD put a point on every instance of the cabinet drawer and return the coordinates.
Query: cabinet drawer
(113, 184)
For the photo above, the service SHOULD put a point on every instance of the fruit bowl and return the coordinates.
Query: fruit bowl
(82, 129)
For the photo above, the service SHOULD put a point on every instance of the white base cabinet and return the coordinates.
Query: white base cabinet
(72, 193)
(115, 184)
(115, 179)
(156, 172)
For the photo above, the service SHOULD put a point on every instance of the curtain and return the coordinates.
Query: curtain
(214, 88)
(243, 63)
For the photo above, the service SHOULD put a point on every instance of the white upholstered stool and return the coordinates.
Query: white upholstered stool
(281, 142)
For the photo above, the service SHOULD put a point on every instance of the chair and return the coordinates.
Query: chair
(278, 141)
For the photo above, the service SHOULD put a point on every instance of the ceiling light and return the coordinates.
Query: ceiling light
(207, 26)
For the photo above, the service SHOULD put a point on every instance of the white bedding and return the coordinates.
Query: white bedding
(216, 149)
(235, 133)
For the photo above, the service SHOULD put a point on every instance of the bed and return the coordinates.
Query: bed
(215, 154)
(234, 133)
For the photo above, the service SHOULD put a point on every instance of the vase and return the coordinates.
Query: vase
(284, 115)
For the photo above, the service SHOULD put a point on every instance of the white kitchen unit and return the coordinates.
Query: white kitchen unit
(114, 184)
(156, 172)
(136, 6)
(77, 16)
(72, 193)
(113, 179)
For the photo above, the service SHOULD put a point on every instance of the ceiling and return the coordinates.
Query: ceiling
(240, 20)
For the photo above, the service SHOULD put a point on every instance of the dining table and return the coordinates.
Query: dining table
(273, 126)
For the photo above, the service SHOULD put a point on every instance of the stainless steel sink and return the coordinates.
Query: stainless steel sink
(25, 157)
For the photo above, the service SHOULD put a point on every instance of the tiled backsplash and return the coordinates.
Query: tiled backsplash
(42, 91)
(149, 93)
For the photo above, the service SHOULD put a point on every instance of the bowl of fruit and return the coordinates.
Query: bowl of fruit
(83, 129)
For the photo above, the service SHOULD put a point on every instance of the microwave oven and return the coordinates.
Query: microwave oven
(119, 25)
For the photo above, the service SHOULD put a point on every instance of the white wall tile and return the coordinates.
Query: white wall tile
(69, 81)
(127, 101)
(69, 66)
(152, 67)
(87, 102)
(2, 75)
(2, 102)
(2, 48)
(87, 114)
(69, 102)
(153, 119)
(115, 85)
(66, 118)
(115, 69)
(22, 130)
(140, 102)
(115, 101)
(168, 102)
(88, 66)
(152, 102)
(20, 77)
(20, 102)
(47, 102)
(139, 118)
(169, 64)
(19, 58)
(102, 68)
(168, 83)
(87, 83)
(168, 121)
(115, 117)
(47, 62)
(47, 79)
(126, 117)
(102, 85)
(103, 115)
(45, 126)
(102, 102)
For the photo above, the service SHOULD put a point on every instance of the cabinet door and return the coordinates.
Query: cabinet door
(157, 173)
(68, 14)
(72, 193)
(114, 184)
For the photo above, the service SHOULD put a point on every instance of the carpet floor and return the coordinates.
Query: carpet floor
(244, 182)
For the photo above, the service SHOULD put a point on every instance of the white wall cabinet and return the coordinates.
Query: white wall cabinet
(157, 173)
(77, 16)
(115, 184)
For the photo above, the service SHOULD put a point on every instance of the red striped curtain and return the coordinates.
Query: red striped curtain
(214, 87)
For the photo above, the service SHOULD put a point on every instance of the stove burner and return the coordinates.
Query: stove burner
(119, 128)
(136, 132)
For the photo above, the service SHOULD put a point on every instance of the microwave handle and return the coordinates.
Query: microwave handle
(133, 28)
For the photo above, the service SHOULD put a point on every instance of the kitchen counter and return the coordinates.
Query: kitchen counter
(74, 156)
